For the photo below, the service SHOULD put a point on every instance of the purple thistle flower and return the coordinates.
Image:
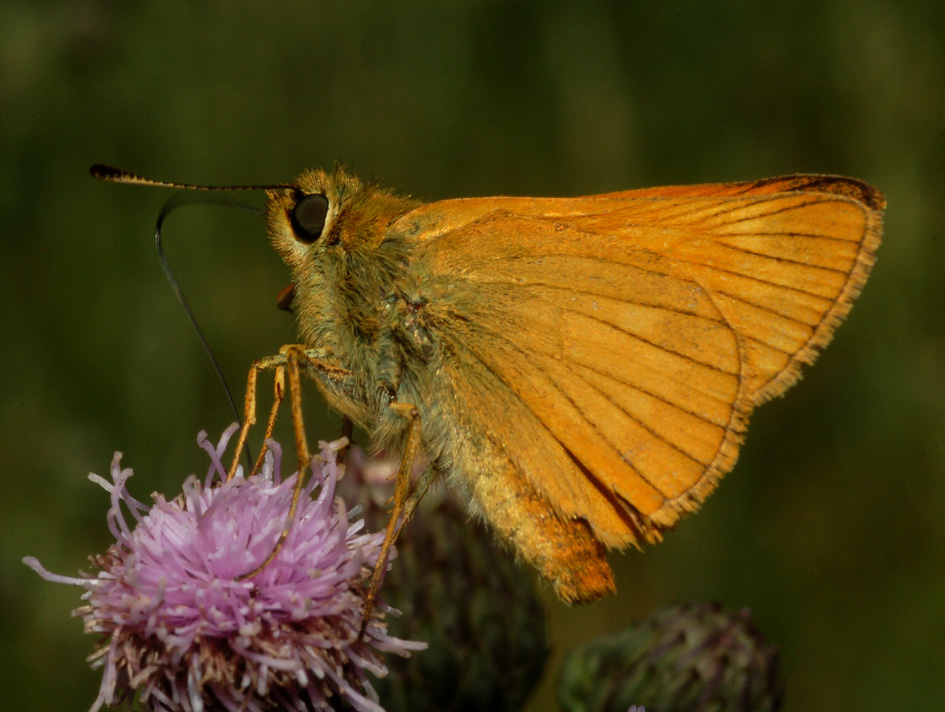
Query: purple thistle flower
(182, 632)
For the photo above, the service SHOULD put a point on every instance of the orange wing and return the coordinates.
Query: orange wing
(612, 347)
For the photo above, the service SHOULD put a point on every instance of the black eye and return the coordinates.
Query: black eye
(308, 217)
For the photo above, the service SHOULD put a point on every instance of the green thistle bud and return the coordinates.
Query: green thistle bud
(688, 657)
(465, 596)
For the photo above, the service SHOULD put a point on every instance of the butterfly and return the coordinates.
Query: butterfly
(582, 369)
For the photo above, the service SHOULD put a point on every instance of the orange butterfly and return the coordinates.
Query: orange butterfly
(583, 368)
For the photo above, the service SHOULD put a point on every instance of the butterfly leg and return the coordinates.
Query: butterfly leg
(405, 501)
(347, 430)
(286, 366)
(249, 412)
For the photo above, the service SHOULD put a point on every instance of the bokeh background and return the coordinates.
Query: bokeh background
(832, 526)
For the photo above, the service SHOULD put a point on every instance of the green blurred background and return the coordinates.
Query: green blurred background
(832, 526)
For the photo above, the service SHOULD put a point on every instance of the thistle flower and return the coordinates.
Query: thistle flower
(693, 657)
(182, 631)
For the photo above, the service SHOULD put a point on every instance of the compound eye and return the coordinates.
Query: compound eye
(308, 217)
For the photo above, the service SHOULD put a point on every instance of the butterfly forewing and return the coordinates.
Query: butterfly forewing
(612, 347)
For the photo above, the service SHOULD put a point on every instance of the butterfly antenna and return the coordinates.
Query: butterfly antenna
(204, 195)
(190, 198)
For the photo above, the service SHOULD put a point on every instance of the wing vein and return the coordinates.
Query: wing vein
(806, 202)
(755, 279)
(787, 233)
(648, 342)
(575, 290)
(785, 260)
